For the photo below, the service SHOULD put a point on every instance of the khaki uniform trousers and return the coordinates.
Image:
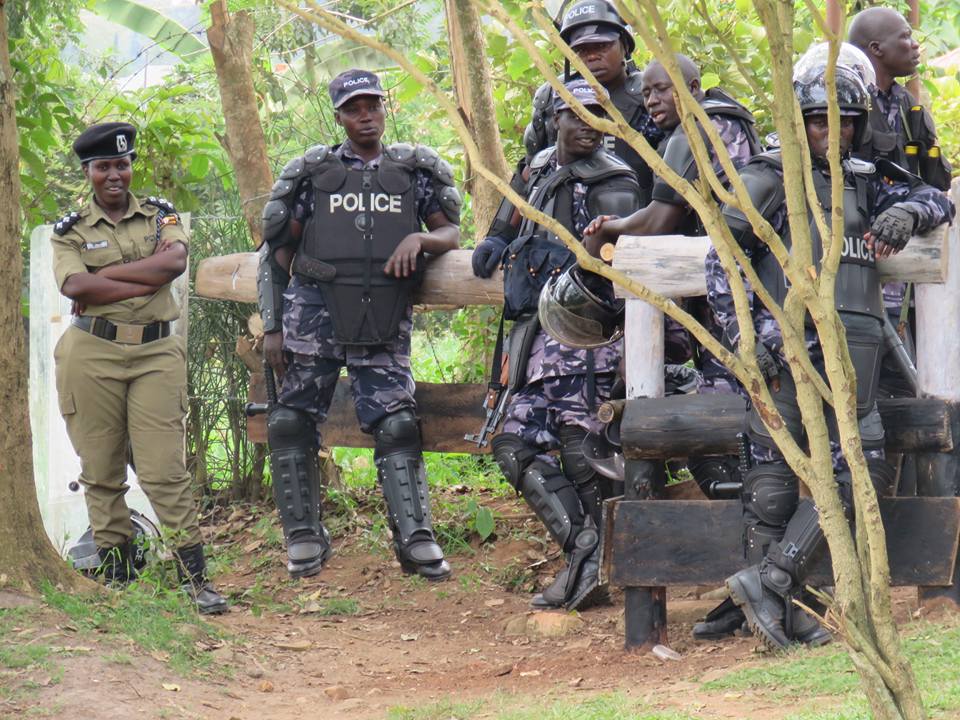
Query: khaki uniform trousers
(114, 396)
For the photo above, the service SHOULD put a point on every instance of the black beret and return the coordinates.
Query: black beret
(105, 140)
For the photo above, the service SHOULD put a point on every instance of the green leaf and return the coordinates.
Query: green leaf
(483, 522)
(709, 80)
(167, 33)
(199, 165)
(519, 63)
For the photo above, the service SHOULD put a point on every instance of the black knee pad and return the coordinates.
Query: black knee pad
(398, 432)
(770, 493)
(513, 456)
(290, 428)
(572, 459)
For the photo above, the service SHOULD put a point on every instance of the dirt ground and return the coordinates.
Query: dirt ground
(410, 644)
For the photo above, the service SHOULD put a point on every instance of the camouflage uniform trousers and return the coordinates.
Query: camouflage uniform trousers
(538, 411)
(380, 377)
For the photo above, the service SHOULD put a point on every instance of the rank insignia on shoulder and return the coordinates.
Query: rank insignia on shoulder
(63, 225)
(161, 203)
(170, 220)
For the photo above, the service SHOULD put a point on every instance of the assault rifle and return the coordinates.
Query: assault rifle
(495, 406)
(252, 409)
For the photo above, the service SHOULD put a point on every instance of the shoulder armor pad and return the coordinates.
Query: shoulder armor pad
(542, 158)
(402, 153)
(542, 98)
(293, 169)
(772, 141)
(863, 167)
(771, 158)
(599, 165)
(315, 156)
(63, 225)
(634, 83)
(429, 160)
(161, 203)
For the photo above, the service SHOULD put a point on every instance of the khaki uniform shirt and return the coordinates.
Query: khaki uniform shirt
(94, 241)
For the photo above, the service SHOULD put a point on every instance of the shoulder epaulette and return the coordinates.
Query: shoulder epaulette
(161, 203)
(63, 225)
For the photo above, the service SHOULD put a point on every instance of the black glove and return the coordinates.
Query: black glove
(769, 367)
(487, 255)
(893, 227)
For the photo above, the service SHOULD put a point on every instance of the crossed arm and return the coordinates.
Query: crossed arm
(128, 280)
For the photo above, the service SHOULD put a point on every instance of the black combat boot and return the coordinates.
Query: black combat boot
(761, 591)
(307, 552)
(721, 622)
(555, 593)
(117, 565)
(583, 570)
(808, 630)
(192, 571)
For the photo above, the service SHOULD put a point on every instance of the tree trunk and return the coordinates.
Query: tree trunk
(231, 43)
(26, 555)
(474, 89)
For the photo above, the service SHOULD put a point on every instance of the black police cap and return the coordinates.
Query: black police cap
(352, 83)
(105, 141)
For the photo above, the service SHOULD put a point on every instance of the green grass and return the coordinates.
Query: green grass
(827, 674)
(159, 620)
(500, 706)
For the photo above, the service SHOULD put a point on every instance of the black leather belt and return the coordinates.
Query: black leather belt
(121, 332)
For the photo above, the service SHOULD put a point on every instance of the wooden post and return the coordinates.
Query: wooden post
(645, 608)
(938, 366)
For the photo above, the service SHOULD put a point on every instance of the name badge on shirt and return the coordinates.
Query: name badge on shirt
(95, 245)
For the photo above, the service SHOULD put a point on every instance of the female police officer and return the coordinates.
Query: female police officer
(121, 375)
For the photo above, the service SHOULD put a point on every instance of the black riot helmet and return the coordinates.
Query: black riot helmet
(809, 84)
(579, 309)
(595, 17)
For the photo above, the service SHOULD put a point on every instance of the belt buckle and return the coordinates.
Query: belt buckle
(129, 334)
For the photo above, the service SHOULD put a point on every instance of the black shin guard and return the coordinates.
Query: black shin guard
(802, 538)
(576, 468)
(404, 480)
(296, 489)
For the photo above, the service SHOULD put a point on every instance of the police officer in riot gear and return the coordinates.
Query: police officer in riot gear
(343, 251)
(597, 33)
(555, 387)
(883, 206)
(900, 129)
(669, 213)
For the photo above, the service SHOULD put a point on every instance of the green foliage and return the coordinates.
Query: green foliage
(933, 651)
(945, 106)
(167, 33)
(157, 619)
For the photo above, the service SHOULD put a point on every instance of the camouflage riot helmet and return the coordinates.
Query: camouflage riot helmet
(578, 309)
(592, 21)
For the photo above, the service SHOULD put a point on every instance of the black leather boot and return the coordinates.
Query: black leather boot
(721, 622)
(306, 553)
(761, 592)
(192, 571)
(555, 593)
(583, 574)
(117, 565)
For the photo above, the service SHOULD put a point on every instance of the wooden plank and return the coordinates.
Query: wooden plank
(448, 281)
(673, 264)
(687, 425)
(697, 542)
(447, 412)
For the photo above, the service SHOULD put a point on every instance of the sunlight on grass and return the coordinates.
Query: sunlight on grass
(828, 676)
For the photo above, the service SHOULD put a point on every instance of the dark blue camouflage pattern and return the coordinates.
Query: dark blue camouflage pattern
(380, 375)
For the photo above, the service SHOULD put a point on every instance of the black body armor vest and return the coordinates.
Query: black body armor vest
(537, 254)
(359, 219)
(858, 287)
